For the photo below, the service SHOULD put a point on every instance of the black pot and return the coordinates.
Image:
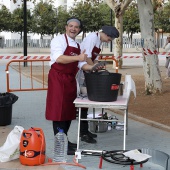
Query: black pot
(102, 86)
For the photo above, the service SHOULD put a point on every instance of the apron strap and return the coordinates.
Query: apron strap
(68, 44)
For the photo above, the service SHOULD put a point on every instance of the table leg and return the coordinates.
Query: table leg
(126, 121)
(125, 126)
(78, 153)
(78, 134)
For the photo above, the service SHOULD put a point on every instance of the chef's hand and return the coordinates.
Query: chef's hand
(98, 66)
(83, 56)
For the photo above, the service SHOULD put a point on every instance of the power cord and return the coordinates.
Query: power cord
(117, 157)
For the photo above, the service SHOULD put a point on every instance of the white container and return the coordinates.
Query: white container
(60, 147)
(120, 126)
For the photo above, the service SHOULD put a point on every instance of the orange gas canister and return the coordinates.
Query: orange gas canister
(32, 147)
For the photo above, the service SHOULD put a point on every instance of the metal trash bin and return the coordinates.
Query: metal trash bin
(6, 101)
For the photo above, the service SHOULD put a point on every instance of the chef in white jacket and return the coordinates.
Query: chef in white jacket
(167, 49)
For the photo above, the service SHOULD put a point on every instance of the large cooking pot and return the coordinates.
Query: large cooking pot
(102, 86)
(98, 126)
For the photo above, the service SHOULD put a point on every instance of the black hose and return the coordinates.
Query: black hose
(117, 157)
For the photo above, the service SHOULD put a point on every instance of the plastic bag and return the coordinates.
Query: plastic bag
(10, 149)
(7, 99)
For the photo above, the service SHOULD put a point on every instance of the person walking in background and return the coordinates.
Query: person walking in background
(65, 59)
(167, 49)
(91, 45)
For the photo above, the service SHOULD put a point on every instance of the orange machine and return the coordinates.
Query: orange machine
(32, 147)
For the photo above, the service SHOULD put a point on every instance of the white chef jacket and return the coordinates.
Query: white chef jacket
(93, 39)
(88, 43)
(59, 45)
(167, 47)
(167, 64)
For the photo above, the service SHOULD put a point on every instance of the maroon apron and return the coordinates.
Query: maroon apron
(95, 52)
(62, 89)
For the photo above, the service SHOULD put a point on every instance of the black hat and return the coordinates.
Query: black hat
(110, 31)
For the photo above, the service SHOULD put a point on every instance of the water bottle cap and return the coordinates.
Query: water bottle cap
(61, 130)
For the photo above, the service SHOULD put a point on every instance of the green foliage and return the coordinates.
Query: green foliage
(161, 18)
(157, 4)
(5, 19)
(17, 20)
(94, 14)
(15, 1)
(131, 22)
(62, 16)
(105, 12)
(44, 19)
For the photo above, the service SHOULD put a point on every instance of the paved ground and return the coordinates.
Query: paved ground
(29, 110)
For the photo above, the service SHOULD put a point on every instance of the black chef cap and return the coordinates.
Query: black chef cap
(110, 31)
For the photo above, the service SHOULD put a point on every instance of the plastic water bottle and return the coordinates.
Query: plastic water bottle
(109, 125)
(60, 147)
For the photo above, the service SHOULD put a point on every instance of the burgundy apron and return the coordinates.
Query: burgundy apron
(62, 89)
(95, 52)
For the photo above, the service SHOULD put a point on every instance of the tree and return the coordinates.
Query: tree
(5, 19)
(119, 8)
(161, 17)
(17, 20)
(153, 83)
(167, 18)
(62, 16)
(44, 19)
(92, 14)
(131, 20)
(105, 13)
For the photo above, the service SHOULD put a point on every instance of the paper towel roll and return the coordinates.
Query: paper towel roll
(129, 86)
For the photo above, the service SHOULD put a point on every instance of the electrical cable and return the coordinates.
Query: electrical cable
(117, 157)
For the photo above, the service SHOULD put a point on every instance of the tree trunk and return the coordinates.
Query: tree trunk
(119, 41)
(119, 9)
(153, 83)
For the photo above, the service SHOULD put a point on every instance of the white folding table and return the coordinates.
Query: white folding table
(121, 104)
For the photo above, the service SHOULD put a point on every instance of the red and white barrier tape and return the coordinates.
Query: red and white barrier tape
(145, 52)
(14, 57)
(110, 57)
(149, 52)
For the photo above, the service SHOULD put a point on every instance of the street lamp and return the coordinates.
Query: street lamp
(56, 21)
(25, 32)
(111, 23)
